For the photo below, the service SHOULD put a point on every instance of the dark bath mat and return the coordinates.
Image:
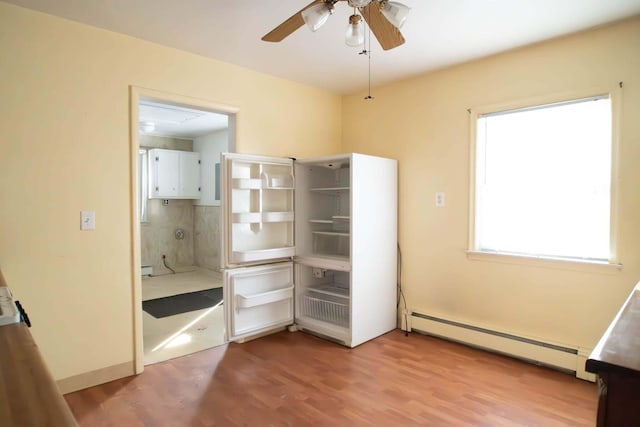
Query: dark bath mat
(182, 303)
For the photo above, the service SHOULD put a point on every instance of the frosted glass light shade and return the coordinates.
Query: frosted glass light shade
(316, 16)
(147, 126)
(355, 32)
(395, 12)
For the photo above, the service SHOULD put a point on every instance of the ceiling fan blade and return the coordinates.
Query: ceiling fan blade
(388, 36)
(289, 26)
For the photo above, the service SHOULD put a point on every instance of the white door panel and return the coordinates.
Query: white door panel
(257, 214)
(257, 299)
(190, 175)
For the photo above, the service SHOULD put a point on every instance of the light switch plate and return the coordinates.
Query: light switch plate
(87, 220)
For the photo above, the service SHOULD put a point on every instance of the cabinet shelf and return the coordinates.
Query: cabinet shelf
(277, 182)
(247, 184)
(257, 217)
(266, 182)
(331, 289)
(262, 254)
(330, 233)
(332, 262)
(330, 190)
(254, 300)
(334, 219)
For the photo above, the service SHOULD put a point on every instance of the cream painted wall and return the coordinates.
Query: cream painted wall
(65, 147)
(423, 122)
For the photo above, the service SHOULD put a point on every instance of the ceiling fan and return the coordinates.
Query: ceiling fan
(383, 17)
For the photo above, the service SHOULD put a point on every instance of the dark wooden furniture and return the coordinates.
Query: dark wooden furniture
(616, 361)
(28, 394)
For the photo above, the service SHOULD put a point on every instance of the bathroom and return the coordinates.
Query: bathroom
(180, 237)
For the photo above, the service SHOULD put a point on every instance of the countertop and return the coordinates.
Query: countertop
(28, 394)
(619, 348)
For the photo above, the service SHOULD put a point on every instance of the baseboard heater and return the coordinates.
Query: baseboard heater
(565, 358)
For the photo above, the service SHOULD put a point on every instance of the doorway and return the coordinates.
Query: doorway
(176, 237)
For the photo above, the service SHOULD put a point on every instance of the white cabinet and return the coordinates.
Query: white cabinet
(189, 175)
(210, 146)
(174, 174)
(342, 211)
(346, 246)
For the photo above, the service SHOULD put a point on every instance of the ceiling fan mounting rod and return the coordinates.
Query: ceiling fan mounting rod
(364, 3)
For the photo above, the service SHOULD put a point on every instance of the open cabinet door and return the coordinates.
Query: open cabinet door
(257, 299)
(257, 209)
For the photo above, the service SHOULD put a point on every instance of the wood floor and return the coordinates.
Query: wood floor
(294, 379)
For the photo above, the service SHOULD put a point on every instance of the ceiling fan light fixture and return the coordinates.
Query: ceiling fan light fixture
(395, 12)
(355, 31)
(316, 16)
(147, 127)
(359, 3)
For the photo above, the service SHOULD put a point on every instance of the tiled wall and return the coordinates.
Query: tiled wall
(201, 225)
(157, 235)
(207, 236)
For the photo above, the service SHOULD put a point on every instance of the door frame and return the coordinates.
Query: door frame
(136, 94)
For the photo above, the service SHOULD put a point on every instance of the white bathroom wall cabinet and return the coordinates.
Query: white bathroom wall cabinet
(174, 174)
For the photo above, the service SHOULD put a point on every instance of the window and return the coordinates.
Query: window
(142, 185)
(543, 180)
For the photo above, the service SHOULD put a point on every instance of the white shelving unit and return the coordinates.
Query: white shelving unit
(260, 213)
(346, 216)
(342, 211)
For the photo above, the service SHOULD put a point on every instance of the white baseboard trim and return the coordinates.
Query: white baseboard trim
(583, 355)
(99, 376)
(564, 357)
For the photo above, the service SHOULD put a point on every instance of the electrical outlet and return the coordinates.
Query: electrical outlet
(318, 273)
(440, 199)
(87, 220)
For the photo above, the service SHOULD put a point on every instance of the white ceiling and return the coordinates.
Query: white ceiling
(177, 121)
(438, 32)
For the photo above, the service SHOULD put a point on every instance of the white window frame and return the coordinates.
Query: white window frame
(143, 177)
(474, 252)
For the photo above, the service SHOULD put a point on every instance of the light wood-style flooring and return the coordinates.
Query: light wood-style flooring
(295, 379)
(185, 333)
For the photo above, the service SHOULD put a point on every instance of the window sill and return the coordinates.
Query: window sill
(546, 262)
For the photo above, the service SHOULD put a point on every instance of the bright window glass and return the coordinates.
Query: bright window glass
(543, 180)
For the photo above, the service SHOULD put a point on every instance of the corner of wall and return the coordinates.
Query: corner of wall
(93, 378)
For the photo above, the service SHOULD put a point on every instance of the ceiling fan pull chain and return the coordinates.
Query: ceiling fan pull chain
(368, 53)
(364, 50)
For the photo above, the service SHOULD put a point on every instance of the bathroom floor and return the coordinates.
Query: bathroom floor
(186, 333)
